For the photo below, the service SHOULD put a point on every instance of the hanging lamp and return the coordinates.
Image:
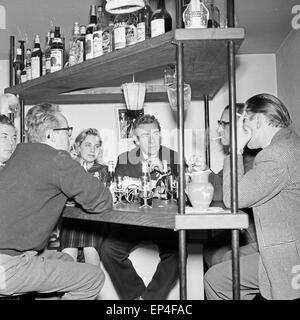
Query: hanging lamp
(123, 6)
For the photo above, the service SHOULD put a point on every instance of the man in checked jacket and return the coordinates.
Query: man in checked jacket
(272, 189)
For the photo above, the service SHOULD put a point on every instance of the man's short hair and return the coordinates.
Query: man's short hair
(5, 120)
(145, 119)
(41, 118)
(273, 108)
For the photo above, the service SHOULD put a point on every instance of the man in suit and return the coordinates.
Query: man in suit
(272, 189)
(122, 239)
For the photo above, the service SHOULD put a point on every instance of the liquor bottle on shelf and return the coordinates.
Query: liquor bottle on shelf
(28, 64)
(75, 45)
(143, 25)
(47, 52)
(131, 30)
(161, 20)
(22, 46)
(18, 66)
(98, 32)
(107, 38)
(89, 47)
(120, 24)
(145, 189)
(36, 59)
(82, 43)
(214, 14)
(57, 51)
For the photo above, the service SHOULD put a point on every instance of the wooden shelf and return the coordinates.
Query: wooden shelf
(205, 66)
(154, 93)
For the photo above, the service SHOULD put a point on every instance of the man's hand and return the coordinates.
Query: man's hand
(155, 164)
(243, 133)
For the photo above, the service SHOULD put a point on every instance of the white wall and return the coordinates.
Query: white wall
(288, 69)
(254, 74)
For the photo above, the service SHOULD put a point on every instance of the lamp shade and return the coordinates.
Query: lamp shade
(123, 6)
(134, 94)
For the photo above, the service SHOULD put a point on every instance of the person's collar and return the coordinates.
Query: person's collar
(280, 134)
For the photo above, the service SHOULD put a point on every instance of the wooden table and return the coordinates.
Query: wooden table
(163, 214)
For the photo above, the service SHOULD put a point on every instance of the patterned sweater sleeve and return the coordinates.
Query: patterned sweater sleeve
(260, 184)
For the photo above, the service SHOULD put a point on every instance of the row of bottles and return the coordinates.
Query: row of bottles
(106, 33)
(103, 34)
(36, 63)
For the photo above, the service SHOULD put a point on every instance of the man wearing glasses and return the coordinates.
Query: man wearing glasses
(34, 187)
(218, 249)
(122, 239)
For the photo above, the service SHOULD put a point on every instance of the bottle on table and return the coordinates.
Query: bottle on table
(164, 195)
(57, 51)
(18, 66)
(36, 59)
(111, 173)
(143, 22)
(161, 20)
(89, 46)
(145, 189)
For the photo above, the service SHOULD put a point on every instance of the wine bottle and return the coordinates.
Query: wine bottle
(89, 47)
(18, 66)
(28, 64)
(82, 43)
(36, 59)
(47, 50)
(57, 52)
(131, 30)
(161, 21)
(143, 25)
(98, 31)
(120, 24)
(75, 45)
(107, 38)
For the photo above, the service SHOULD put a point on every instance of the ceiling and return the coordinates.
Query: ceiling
(267, 22)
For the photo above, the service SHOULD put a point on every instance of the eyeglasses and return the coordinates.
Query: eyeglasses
(69, 129)
(223, 123)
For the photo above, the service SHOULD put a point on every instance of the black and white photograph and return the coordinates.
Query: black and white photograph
(117, 186)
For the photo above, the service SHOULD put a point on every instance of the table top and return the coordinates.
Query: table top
(164, 214)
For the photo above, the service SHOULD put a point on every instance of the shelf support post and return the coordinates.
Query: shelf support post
(207, 133)
(181, 207)
(233, 154)
(22, 120)
(11, 60)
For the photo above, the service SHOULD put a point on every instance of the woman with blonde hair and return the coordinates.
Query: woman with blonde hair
(77, 234)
